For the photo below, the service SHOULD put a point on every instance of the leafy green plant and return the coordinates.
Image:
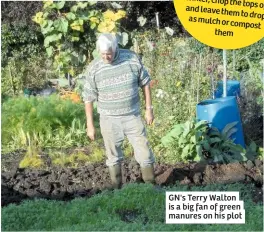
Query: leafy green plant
(185, 139)
(220, 147)
(253, 151)
(196, 141)
(19, 41)
(32, 157)
(53, 121)
(70, 33)
(77, 158)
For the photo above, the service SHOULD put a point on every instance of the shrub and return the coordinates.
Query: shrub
(32, 72)
(20, 41)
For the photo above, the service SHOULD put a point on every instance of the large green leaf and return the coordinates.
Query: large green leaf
(215, 140)
(47, 27)
(52, 38)
(228, 158)
(74, 8)
(197, 158)
(198, 135)
(218, 158)
(59, 5)
(228, 127)
(167, 140)
(61, 25)
(193, 139)
(214, 132)
(230, 133)
(233, 147)
(187, 125)
(92, 13)
(201, 124)
(199, 150)
(206, 145)
(176, 131)
(82, 5)
(182, 140)
(70, 16)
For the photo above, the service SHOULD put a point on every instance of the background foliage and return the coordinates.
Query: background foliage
(183, 70)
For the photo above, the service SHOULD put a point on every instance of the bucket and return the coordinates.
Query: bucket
(232, 89)
(220, 112)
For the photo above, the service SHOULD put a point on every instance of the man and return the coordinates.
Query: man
(113, 80)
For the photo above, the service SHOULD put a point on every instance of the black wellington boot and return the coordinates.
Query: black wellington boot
(148, 174)
(115, 175)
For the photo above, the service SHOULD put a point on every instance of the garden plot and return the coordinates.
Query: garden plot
(85, 181)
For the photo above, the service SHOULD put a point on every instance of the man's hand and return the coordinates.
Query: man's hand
(149, 116)
(91, 132)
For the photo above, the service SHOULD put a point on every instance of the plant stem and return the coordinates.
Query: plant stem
(12, 80)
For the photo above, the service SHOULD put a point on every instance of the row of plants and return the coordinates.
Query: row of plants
(49, 121)
(51, 125)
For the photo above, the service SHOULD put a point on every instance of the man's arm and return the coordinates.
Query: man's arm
(89, 120)
(149, 108)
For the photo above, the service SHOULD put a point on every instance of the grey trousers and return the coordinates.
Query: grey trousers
(114, 129)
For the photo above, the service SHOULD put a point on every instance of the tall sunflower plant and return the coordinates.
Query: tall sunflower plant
(70, 32)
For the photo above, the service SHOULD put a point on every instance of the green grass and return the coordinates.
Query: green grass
(101, 212)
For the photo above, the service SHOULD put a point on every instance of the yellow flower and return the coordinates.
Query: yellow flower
(106, 26)
(77, 25)
(38, 18)
(109, 15)
(120, 14)
(94, 20)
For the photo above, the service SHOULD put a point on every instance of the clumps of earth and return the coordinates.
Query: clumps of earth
(68, 183)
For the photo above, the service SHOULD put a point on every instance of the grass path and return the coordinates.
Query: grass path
(134, 207)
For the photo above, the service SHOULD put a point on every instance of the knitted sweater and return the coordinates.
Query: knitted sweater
(115, 86)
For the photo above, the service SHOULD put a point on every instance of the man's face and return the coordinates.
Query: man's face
(107, 56)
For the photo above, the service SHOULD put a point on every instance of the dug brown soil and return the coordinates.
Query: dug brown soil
(68, 183)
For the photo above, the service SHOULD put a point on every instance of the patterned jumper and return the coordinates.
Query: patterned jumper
(115, 86)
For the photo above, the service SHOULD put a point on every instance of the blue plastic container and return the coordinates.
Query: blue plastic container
(232, 88)
(220, 112)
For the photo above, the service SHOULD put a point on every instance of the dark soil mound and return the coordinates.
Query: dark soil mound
(68, 183)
